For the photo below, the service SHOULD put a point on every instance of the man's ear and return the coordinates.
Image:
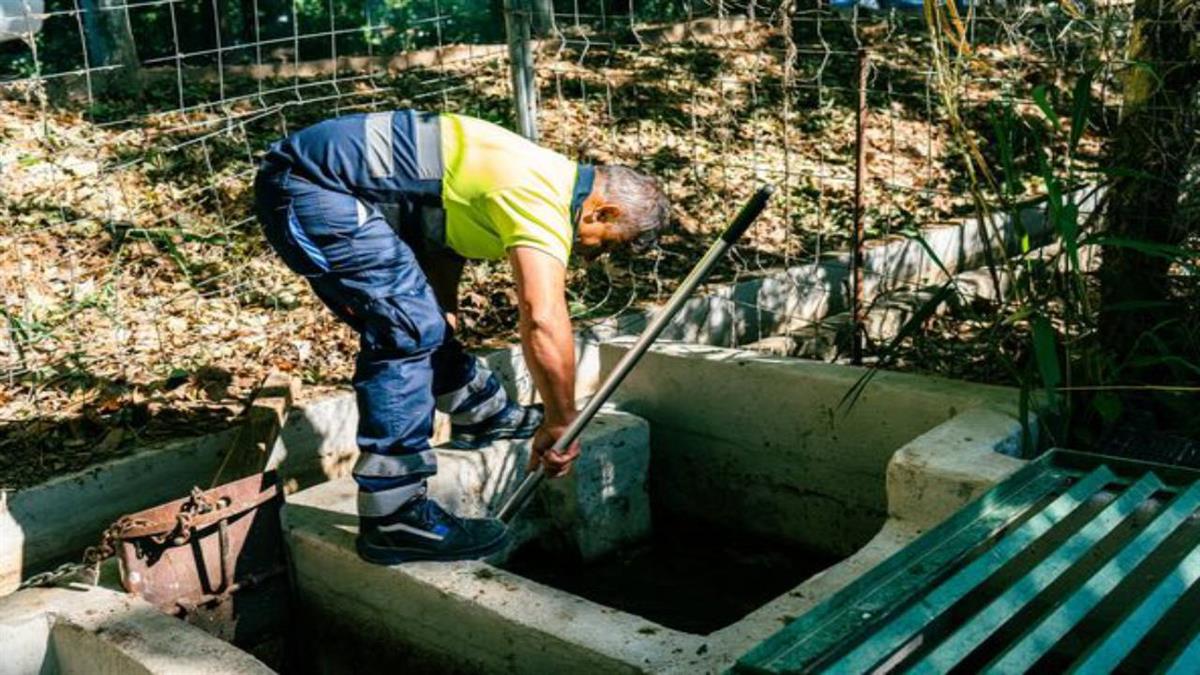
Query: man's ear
(608, 213)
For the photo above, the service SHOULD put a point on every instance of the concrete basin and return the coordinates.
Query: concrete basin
(719, 438)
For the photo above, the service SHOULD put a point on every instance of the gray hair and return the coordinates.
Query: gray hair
(644, 206)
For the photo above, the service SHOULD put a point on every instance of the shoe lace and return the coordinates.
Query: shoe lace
(430, 514)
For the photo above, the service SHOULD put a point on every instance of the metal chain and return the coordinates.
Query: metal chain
(197, 504)
(92, 557)
(55, 576)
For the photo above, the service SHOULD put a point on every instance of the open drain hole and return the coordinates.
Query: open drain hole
(687, 576)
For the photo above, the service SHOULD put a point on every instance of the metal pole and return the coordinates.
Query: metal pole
(858, 312)
(520, 66)
(699, 273)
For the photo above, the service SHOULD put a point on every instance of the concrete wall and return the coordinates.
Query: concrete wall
(758, 307)
(761, 443)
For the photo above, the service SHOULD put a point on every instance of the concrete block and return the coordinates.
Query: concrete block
(604, 504)
(606, 490)
(942, 470)
(96, 631)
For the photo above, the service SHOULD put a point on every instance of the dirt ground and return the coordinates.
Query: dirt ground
(140, 302)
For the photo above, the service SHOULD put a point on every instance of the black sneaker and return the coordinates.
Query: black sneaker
(423, 530)
(514, 421)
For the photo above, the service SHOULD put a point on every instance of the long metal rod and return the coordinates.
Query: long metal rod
(699, 273)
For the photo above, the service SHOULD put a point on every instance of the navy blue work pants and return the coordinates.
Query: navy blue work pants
(408, 359)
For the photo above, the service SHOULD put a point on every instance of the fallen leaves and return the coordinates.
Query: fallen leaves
(140, 301)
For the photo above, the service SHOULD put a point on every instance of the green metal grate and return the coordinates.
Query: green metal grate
(1076, 563)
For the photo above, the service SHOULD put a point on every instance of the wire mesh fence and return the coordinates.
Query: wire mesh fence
(139, 300)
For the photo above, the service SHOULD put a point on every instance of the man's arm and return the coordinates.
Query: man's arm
(549, 348)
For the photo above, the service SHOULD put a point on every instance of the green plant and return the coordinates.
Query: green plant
(1074, 382)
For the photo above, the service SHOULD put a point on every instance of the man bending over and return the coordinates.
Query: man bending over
(379, 212)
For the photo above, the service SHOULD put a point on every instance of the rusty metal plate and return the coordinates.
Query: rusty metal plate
(215, 558)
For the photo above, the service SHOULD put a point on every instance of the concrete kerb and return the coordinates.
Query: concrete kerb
(96, 631)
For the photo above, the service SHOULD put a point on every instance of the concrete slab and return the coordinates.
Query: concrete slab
(96, 631)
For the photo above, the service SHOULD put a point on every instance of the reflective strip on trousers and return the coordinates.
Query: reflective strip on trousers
(479, 410)
(371, 465)
(448, 403)
(363, 212)
(378, 133)
(387, 502)
(483, 410)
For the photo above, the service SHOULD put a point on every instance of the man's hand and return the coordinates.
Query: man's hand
(556, 464)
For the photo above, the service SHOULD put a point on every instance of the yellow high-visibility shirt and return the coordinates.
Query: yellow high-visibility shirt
(501, 190)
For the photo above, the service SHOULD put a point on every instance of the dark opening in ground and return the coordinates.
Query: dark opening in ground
(688, 576)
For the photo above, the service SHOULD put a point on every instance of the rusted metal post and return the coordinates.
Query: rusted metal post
(265, 417)
(858, 311)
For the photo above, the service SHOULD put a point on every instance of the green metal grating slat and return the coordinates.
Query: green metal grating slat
(987, 621)
(1030, 589)
(903, 575)
(1022, 655)
(900, 630)
(1188, 660)
(1123, 637)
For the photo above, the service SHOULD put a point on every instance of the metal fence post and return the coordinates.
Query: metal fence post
(520, 64)
(858, 310)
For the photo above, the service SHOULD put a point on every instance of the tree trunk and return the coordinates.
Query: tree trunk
(109, 41)
(1150, 153)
